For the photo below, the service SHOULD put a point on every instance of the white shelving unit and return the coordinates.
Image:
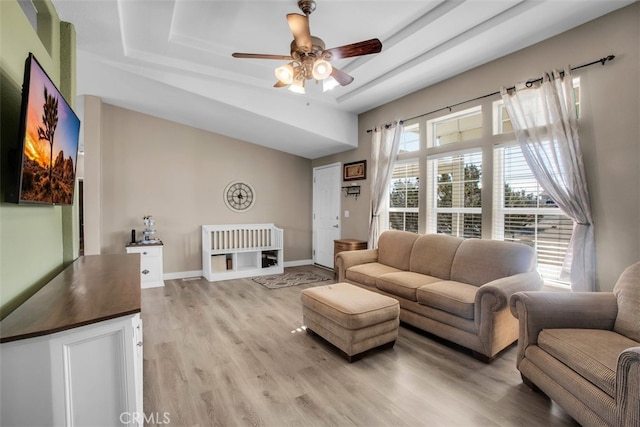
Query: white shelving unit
(232, 251)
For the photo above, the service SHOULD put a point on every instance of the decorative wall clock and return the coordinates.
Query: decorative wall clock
(239, 196)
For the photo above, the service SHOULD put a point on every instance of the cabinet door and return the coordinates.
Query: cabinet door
(150, 272)
(94, 374)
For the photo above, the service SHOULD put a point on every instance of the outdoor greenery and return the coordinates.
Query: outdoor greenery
(470, 198)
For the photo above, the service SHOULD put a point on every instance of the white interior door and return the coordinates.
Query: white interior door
(326, 212)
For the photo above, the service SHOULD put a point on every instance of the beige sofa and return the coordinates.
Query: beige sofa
(582, 349)
(454, 288)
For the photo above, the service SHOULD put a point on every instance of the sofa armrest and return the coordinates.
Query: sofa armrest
(544, 310)
(347, 259)
(628, 388)
(502, 289)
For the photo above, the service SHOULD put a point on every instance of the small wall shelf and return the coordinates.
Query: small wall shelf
(351, 190)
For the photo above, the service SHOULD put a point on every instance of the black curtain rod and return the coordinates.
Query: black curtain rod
(529, 83)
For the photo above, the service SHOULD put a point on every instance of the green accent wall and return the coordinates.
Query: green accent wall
(36, 242)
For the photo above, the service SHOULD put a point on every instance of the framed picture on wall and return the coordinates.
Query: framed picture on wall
(354, 171)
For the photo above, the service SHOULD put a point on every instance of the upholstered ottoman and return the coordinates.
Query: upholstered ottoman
(351, 318)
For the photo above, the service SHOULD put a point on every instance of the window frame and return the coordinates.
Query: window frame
(404, 210)
(431, 206)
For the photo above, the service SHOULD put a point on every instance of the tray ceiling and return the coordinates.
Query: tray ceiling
(172, 58)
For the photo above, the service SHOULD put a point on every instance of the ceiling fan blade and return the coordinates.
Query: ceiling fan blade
(261, 56)
(280, 84)
(341, 77)
(299, 25)
(355, 49)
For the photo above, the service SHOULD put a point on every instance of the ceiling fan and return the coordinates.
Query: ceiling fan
(309, 57)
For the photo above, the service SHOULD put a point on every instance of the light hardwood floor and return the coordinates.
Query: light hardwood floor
(233, 353)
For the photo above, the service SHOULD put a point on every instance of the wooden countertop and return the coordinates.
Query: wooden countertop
(92, 289)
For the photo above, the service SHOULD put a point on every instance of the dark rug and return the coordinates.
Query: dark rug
(285, 280)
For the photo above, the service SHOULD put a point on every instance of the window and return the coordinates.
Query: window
(524, 213)
(410, 139)
(454, 146)
(403, 196)
(502, 122)
(454, 195)
(454, 178)
(455, 128)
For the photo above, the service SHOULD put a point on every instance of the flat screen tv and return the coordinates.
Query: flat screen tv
(48, 140)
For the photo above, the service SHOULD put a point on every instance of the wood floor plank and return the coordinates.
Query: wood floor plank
(234, 353)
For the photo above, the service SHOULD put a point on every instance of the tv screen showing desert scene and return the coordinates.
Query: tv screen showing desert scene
(50, 143)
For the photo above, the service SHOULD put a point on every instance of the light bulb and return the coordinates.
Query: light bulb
(297, 86)
(284, 73)
(321, 69)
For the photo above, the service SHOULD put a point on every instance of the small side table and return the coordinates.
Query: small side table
(150, 263)
(341, 245)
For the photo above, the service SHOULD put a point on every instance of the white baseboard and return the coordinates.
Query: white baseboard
(182, 275)
(198, 273)
(298, 263)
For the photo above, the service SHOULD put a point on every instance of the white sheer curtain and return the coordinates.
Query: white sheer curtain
(545, 123)
(385, 141)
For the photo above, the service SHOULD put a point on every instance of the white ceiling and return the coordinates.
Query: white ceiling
(172, 58)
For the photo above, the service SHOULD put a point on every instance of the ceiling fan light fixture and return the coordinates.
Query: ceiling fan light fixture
(321, 69)
(297, 86)
(309, 58)
(285, 74)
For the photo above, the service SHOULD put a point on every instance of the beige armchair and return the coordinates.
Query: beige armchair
(582, 349)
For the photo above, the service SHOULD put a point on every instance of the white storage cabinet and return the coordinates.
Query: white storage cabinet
(91, 375)
(241, 250)
(72, 353)
(151, 266)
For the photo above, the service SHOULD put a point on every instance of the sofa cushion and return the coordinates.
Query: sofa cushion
(592, 353)
(403, 283)
(367, 274)
(627, 292)
(394, 248)
(433, 254)
(450, 296)
(480, 261)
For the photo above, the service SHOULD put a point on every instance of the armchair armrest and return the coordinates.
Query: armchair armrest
(347, 259)
(543, 310)
(628, 388)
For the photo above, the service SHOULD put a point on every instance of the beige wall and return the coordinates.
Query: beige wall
(178, 173)
(609, 126)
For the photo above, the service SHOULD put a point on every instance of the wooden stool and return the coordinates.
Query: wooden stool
(351, 318)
